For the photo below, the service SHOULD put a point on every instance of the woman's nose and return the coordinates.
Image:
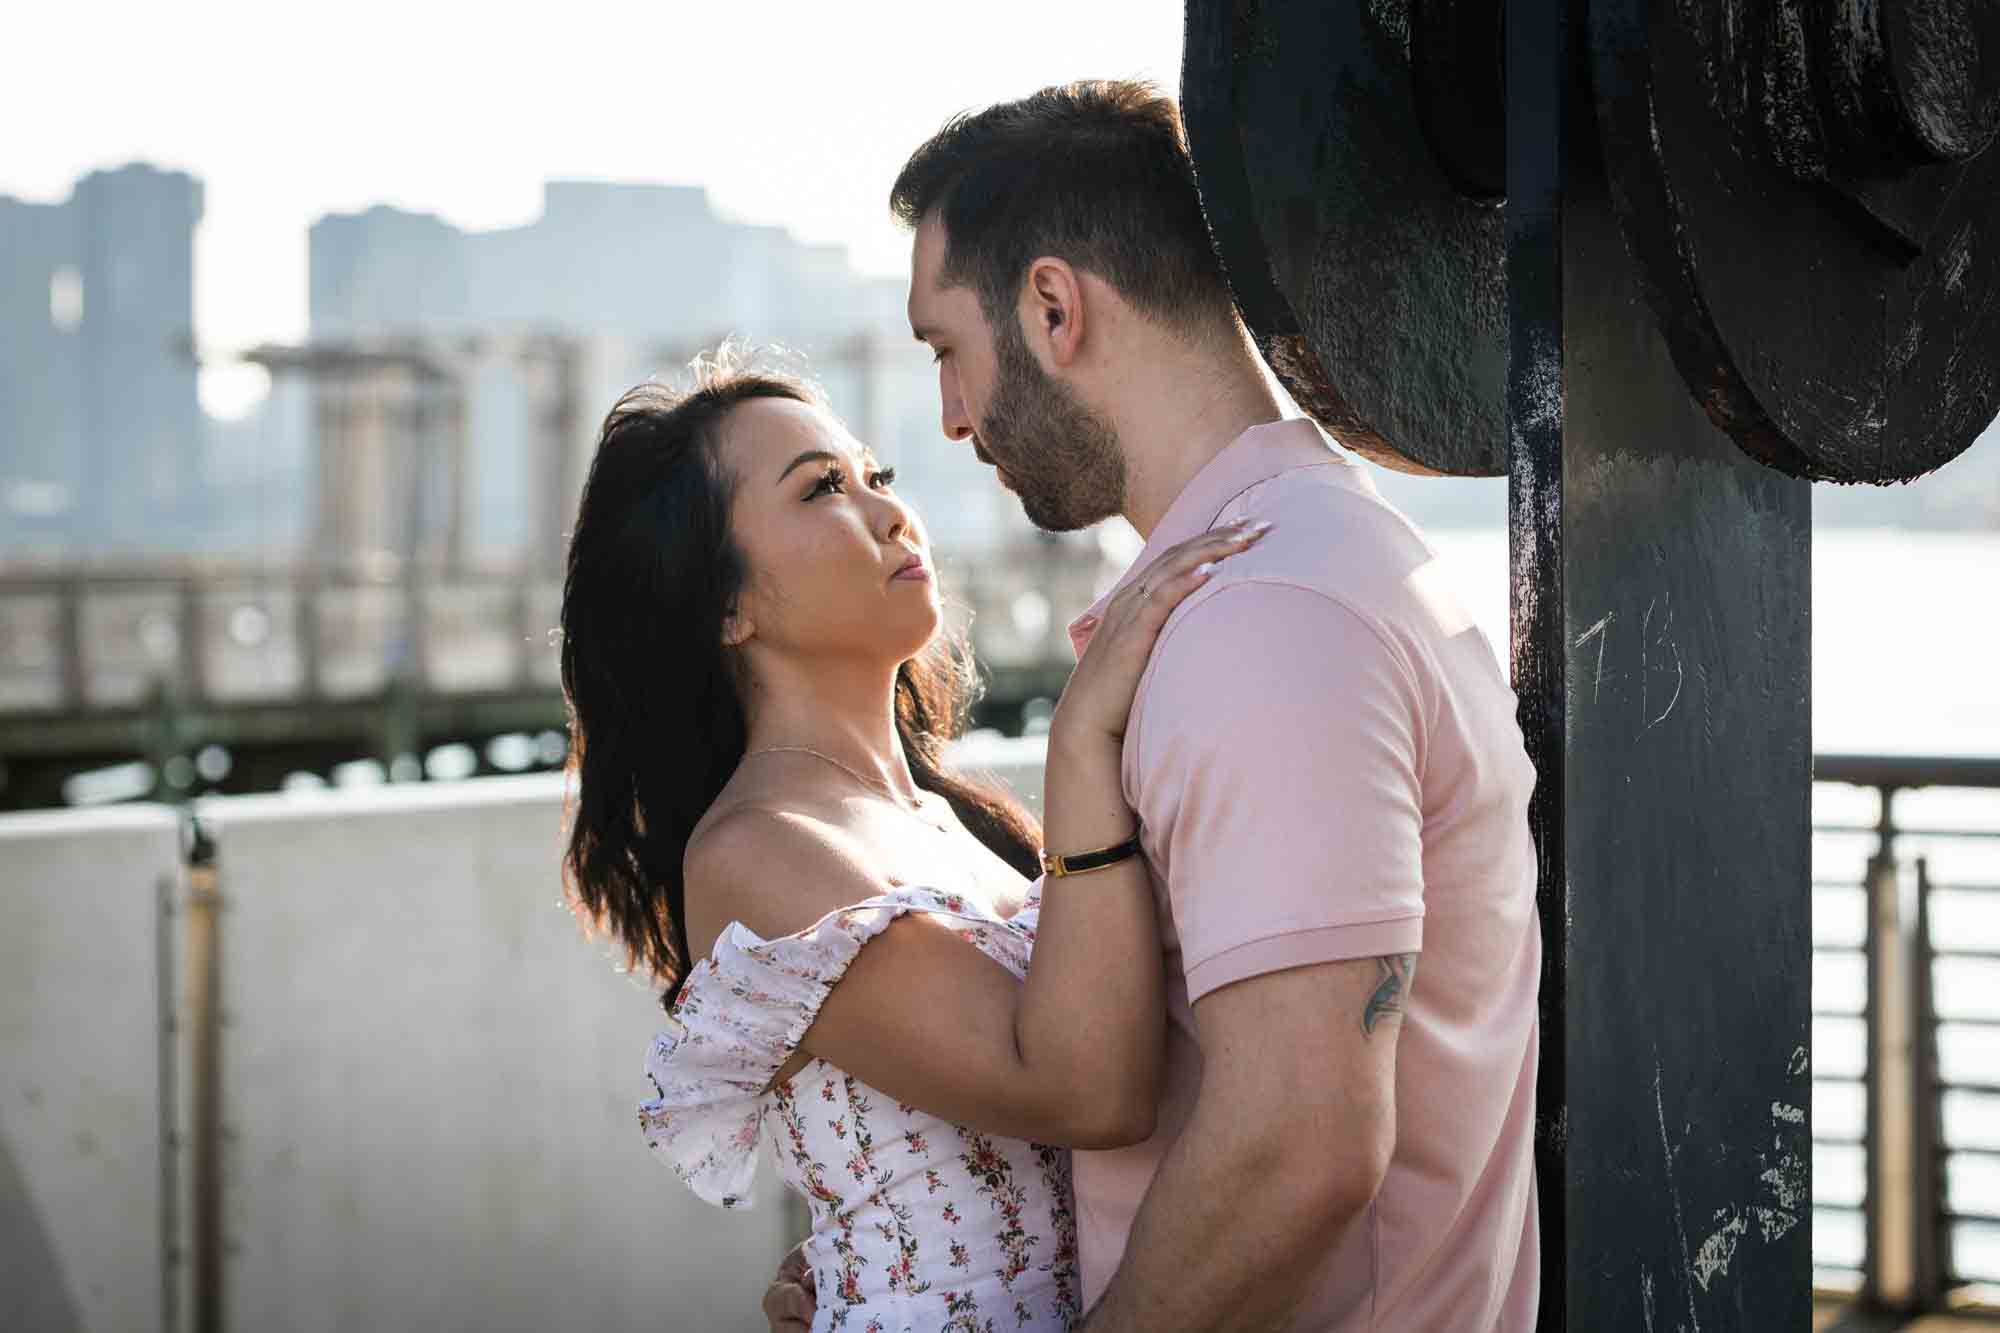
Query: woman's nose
(892, 521)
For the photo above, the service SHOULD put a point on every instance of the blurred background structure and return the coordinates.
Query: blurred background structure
(362, 571)
(366, 567)
(285, 479)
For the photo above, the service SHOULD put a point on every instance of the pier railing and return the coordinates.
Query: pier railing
(1906, 1071)
(301, 666)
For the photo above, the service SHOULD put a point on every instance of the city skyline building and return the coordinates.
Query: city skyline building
(637, 261)
(636, 279)
(100, 425)
(105, 451)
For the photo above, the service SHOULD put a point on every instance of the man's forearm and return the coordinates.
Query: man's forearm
(1288, 1143)
(1228, 1239)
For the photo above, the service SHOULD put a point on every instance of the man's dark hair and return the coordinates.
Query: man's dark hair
(1096, 173)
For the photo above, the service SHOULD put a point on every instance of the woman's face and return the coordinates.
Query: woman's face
(838, 565)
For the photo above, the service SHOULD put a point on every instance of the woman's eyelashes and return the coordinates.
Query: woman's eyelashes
(834, 480)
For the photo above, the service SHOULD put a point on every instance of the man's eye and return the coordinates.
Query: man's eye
(884, 479)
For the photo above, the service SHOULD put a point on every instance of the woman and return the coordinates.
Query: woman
(760, 695)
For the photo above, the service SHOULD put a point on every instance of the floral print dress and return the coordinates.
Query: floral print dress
(919, 1225)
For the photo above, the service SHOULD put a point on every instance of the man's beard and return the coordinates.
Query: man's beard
(1062, 459)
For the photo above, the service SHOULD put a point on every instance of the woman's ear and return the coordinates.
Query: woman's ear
(737, 630)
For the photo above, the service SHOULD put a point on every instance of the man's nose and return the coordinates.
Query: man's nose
(957, 423)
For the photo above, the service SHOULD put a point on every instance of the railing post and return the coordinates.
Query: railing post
(399, 736)
(1888, 1276)
(75, 664)
(522, 671)
(193, 655)
(306, 627)
(204, 997)
(1930, 1237)
(173, 1249)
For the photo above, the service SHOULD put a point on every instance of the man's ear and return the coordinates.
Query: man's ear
(1052, 309)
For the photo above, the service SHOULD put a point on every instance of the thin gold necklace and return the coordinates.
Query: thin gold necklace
(915, 809)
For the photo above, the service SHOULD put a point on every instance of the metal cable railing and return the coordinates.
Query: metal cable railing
(1906, 1029)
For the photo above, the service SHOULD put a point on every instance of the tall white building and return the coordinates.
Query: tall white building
(645, 275)
(100, 427)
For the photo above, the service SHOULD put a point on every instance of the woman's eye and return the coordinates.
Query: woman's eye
(937, 356)
(830, 482)
(884, 479)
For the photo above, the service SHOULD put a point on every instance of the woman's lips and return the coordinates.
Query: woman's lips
(916, 571)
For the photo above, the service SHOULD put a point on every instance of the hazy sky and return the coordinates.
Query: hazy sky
(791, 113)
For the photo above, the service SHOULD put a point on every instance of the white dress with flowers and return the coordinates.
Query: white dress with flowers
(919, 1225)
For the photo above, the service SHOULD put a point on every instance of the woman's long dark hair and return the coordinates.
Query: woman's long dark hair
(657, 722)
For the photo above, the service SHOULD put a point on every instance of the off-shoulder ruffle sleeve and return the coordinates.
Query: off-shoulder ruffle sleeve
(742, 1014)
(1029, 919)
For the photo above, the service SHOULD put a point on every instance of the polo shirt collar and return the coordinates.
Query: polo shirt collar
(1255, 456)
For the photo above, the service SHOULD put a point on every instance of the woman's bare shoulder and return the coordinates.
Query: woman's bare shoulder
(776, 870)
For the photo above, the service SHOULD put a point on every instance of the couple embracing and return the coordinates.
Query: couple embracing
(1168, 1061)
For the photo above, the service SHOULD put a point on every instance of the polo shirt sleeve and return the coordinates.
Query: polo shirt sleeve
(1279, 757)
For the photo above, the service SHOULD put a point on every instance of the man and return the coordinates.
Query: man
(1323, 755)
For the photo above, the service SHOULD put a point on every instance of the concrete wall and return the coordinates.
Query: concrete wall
(430, 1080)
(429, 1077)
(80, 1006)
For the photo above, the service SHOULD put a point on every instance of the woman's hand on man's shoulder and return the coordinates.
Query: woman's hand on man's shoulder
(1098, 698)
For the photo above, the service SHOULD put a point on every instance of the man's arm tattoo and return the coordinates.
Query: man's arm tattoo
(1399, 973)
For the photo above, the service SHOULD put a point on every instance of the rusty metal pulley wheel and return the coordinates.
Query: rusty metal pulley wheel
(1350, 161)
(1810, 189)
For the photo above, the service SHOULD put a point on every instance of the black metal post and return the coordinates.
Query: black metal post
(1539, 55)
(1662, 605)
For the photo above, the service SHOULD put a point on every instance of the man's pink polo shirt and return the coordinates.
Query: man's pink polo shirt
(1325, 761)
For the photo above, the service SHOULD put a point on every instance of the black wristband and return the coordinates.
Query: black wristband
(1058, 867)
